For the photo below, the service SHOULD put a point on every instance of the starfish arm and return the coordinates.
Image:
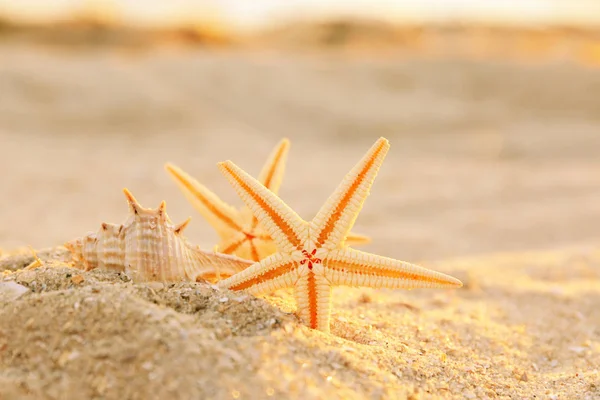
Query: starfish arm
(253, 251)
(356, 239)
(272, 172)
(286, 228)
(272, 273)
(264, 247)
(313, 301)
(232, 243)
(219, 266)
(241, 246)
(219, 214)
(351, 267)
(337, 216)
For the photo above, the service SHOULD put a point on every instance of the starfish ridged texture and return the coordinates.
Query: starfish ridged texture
(239, 231)
(311, 257)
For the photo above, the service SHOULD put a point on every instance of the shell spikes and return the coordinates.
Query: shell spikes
(149, 247)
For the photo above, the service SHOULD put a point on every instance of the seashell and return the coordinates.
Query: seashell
(149, 247)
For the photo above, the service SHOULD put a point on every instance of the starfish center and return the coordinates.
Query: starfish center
(310, 258)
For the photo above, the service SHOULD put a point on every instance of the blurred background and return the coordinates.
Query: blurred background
(492, 110)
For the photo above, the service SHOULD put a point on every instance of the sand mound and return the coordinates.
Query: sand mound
(524, 324)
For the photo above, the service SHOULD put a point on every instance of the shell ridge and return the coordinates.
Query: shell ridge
(149, 247)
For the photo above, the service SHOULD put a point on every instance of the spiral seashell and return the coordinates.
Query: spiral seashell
(149, 247)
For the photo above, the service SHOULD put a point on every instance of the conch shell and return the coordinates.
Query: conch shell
(149, 247)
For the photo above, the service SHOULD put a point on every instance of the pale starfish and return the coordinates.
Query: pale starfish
(238, 230)
(311, 257)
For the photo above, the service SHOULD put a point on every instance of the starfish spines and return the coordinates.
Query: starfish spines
(351, 267)
(335, 219)
(283, 225)
(219, 214)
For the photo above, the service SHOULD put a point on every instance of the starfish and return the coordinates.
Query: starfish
(311, 257)
(239, 231)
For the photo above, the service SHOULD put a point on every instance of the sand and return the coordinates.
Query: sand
(493, 176)
(525, 325)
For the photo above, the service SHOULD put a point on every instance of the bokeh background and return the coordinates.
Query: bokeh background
(492, 110)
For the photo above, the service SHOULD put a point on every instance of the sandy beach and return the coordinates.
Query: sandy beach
(524, 325)
(493, 177)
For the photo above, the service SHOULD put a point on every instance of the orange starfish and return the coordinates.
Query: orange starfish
(239, 231)
(311, 257)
